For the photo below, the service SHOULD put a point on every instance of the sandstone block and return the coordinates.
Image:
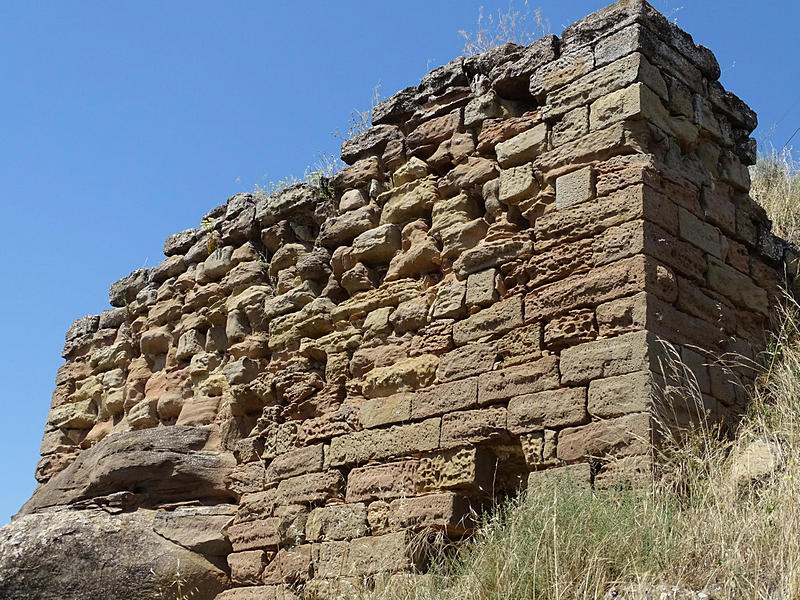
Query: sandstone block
(296, 462)
(591, 218)
(404, 376)
(337, 522)
(561, 71)
(572, 328)
(628, 70)
(498, 318)
(639, 102)
(736, 286)
(384, 482)
(448, 512)
(76, 415)
(444, 397)
(427, 136)
(536, 376)
(552, 408)
(155, 341)
(190, 343)
(339, 230)
(247, 566)
(449, 302)
(474, 426)
(396, 408)
(412, 170)
(701, 234)
(623, 436)
(408, 202)
(379, 444)
(518, 183)
(486, 255)
(574, 187)
(453, 211)
(466, 361)
(365, 556)
(290, 565)
(470, 469)
(481, 290)
(311, 488)
(572, 125)
(523, 147)
(377, 246)
(358, 174)
(607, 358)
(519, 345)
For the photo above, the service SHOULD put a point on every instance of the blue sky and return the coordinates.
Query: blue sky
(123, 122)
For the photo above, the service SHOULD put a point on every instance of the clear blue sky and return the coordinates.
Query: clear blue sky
(123, 122)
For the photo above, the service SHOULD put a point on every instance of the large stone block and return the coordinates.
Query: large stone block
(296, 462)
(621, 394)
(337, 522)
(474, 426)
(378, 444)
(550, 409)
(311, 488)
(603, 284)
(444, 397)
(623, 436)
(403, 376)
(498, 318)
(471, 469)
(607, 358)
(529, 378)
(382, 482)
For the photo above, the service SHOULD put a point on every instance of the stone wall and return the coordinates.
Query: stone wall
(478, 299)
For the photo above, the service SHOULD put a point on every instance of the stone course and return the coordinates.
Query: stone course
(477, 301)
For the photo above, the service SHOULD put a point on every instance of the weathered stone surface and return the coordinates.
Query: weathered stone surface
(337, 522)
(384, 482)
(550, 409)
(404, 376)
(41, 554)
(444, 397)
(362, 446)
(607, 358)
(474, 426)
(536, 376)
(375, 412)
(574, 188)
(499, 318)
(470, 469)
(475, 300)
(622, 394)
(523, 147)
(164, 465)
(311, 488)
(295, 462)
(518, 183)
(623, 436)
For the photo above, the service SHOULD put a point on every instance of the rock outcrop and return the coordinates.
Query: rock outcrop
(476, 303)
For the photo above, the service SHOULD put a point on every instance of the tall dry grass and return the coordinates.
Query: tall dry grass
(776, 186)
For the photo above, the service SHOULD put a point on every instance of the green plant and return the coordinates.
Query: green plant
(517, 26)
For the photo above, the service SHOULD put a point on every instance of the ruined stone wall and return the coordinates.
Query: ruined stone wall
(475, 300)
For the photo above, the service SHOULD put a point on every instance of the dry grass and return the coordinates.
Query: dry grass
(523, 26)
(776, 186)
